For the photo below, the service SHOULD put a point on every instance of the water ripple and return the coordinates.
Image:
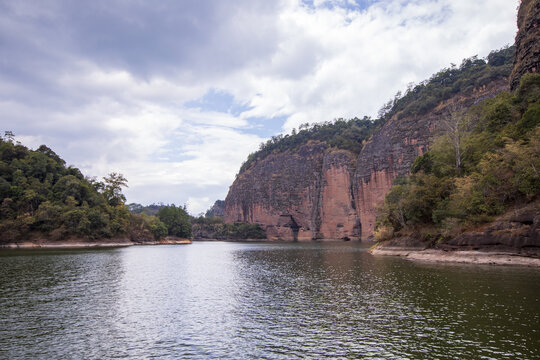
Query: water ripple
(261, 301)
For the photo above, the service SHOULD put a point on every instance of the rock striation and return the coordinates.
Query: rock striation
(527, 45)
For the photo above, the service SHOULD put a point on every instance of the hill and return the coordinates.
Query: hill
(43, 201)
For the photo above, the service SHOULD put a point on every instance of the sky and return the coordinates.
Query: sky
(174, 94)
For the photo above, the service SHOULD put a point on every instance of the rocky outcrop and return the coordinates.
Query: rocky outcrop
(317, 192)
(298, 195)
(392, 150)
(512, 239)
(518, 230)
(527, 45)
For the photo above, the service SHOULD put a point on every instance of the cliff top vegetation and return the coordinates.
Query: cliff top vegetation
(473, 73)
(340, 133)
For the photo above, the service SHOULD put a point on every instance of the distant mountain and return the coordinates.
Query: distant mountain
(150, 210)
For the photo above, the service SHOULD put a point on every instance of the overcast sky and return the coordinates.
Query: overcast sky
(174, 94)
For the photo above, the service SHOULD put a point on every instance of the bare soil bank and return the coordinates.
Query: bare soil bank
(459, 256)
(78, 243)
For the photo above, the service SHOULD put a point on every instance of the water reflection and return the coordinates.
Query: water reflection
(269, 301)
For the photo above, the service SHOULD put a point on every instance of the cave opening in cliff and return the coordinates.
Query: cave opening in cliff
(287, 220)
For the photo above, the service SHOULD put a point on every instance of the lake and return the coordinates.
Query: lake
(213, 300)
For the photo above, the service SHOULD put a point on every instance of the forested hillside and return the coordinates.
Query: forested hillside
(42, 199)
(483, 162)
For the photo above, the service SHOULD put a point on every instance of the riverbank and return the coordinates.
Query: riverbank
(511, 239)
(169, 240)
(82, 243)
(458, 256)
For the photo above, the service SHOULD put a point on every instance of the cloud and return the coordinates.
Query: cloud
(360, 59)
(175, 95)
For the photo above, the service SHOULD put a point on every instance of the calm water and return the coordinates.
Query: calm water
(268, 301)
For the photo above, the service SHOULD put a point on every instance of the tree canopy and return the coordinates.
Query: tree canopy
(176, 219)
(42, 197)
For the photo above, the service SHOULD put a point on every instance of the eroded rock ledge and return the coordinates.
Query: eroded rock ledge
(512, 239)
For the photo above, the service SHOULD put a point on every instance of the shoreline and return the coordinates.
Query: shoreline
(63, 245)
(458, 256)
(87, 245)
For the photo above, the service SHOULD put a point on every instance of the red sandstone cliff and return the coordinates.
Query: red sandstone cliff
(317, 192)
(300, 195)
(527, 45)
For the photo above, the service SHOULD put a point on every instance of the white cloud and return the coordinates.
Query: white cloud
(351, 62)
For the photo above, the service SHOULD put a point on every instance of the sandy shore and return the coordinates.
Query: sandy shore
(167, 242)
(83, 244)
(69, 245)
(468, 257)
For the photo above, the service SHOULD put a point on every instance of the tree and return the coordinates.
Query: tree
(112, 189)
(176, 219)
(157, 227)
(9, 136)
(455, 126)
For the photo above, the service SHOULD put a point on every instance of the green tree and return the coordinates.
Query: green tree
(176, 219)
(112, 189)
(158, 228)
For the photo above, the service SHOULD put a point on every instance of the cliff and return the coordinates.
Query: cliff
(328, 189)
(297, 195)
(392, 150)
(527, 45)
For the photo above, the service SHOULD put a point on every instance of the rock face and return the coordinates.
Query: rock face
(338, 218)
(392, 150)
(300, 195)
(317, 192)
(517, 230)
(527, 44)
